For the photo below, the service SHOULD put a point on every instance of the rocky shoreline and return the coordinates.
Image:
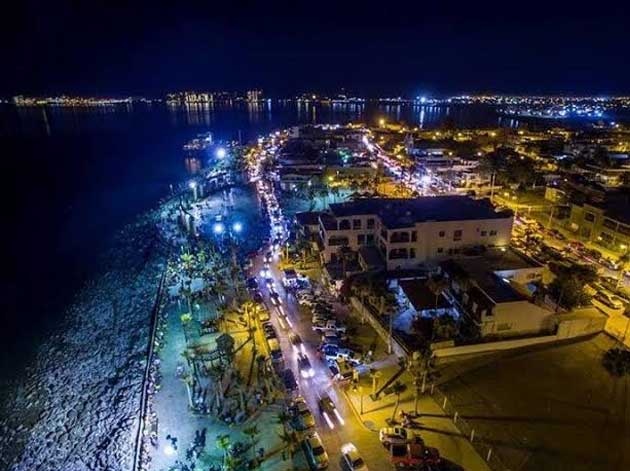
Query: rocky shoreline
(76, 406)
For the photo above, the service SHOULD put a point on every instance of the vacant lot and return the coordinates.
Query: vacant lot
(548, 409)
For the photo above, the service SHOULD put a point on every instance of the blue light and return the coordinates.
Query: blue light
(218, 228)
(220, 152)
(237, 227)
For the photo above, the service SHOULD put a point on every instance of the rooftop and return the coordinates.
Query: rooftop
(405, 212)
(308, 218)
(421, 296)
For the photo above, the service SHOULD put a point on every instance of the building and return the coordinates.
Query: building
(492, 291)
(254, 96)
(412, 232)
(606, 224)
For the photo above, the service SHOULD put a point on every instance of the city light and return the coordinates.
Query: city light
(192, 185)
(237, 227)
(220, 152)
(218, 228)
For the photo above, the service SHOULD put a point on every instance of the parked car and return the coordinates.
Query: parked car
(302, 417)
(329, 326)
(395, 435)
(414, 454)
(608, 300)
(351, 458)
(263, 315)
(315, 452)
(288, 380)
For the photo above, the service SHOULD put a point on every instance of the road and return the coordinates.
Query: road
(312, 389)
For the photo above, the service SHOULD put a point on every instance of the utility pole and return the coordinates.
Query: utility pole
(492, 187)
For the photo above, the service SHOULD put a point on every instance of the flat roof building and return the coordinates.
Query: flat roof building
(412, 231)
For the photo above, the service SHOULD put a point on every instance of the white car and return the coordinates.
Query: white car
(352, 459)
(395, 435)
(315, 452)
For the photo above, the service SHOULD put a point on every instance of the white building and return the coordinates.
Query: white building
(411, 232)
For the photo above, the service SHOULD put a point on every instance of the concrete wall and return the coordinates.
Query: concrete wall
(517, 318)
(567, 329)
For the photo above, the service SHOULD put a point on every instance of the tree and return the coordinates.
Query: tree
(252, 432)
(437, 285)
(568, 292)
(223, 444)
(617, 361)
(397, 388)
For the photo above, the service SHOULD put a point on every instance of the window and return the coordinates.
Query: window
(361, 239)
(493, 233)
(457, 235)
(589, 217)
(397, 253)
(484, 233)
(414, 236)
(412, 253)
(369, 239)
(370, 223)
(442, 233)
(440, 250)
(356, 224)
(344, 225)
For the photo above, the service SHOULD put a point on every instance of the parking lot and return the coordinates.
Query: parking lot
(548, 409)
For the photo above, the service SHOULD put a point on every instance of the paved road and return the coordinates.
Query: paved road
(312, 389)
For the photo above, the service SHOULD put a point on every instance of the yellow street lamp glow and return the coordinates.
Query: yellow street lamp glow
(381, 122)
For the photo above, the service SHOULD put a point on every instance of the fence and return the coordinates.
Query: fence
(481, 446)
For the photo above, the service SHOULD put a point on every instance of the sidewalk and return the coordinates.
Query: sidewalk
(437, 429)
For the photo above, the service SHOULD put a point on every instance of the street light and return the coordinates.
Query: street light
(218, 228)
(237, 227)
(220, 152)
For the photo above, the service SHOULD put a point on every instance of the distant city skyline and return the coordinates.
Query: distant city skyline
(51, 48)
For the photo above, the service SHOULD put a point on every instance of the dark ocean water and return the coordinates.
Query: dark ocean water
(73, 177)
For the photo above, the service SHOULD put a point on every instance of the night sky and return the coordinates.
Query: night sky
(386, 48)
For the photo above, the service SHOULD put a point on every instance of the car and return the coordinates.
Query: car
(302, 417)
(268, 257)
(330, 338)
(348, 355)
(351, 458)
(252, 283)
(329, 411)
(329, 352)
(608, 300)
(269, 330)
(329, 326)
(258, 297)
(288, 380)
(276, 355)
(263, 315)
(414, 454)
(304, 365)
(395, 435)
(275, 298)
(608, 263)
(296, 343)
(315, 452)
(266, 274)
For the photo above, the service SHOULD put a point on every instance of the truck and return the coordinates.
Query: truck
(329, 326)
(414, 454)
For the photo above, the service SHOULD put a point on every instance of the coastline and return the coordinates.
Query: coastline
(77, 404)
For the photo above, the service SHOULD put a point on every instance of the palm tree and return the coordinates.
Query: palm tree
(252, 432)
(223, 444)
(289, 441)
(437, 285)
(397, 388)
